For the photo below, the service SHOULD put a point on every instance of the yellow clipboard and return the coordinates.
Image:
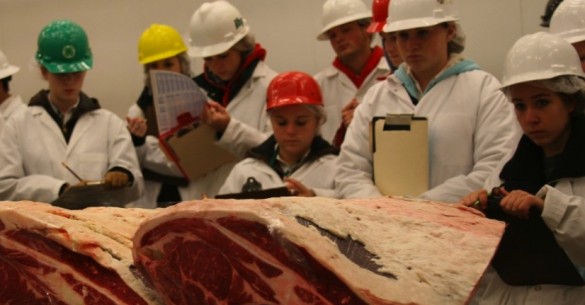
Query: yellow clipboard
(194, 151)
(400, 149)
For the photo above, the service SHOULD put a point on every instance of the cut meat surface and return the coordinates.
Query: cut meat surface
(220, 267)
(50, 255)
(315, 251)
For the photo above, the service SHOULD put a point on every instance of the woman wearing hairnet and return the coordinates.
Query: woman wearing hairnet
(539, 188)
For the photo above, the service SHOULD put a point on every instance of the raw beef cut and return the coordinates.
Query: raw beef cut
(50, 255)
(315, 251)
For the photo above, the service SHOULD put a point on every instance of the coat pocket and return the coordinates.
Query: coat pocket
(92, 166)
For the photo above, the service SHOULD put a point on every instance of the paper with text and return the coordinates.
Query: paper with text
(177, 99)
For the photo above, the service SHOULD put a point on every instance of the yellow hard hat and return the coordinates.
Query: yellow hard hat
(158, 42)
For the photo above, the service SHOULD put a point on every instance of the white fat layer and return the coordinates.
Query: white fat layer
(88, 232)
(437, 252)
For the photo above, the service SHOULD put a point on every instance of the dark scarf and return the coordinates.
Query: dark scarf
(528, 253)
(145, 99)
(224, 92)
(86, 104)
(266, 153)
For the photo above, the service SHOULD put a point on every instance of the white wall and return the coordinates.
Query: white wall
(286, 28)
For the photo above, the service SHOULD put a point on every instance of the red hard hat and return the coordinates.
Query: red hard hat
(293, 88)
(379, 15)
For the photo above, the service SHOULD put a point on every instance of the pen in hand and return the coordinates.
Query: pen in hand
(494, 192)
(476, 203)
(72, 172)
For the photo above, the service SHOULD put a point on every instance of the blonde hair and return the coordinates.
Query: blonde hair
(246, 44)
(185, 63)
(457, 45)
(318, 111)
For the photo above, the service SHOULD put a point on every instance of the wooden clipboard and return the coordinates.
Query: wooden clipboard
(400, 149)
(194, 151)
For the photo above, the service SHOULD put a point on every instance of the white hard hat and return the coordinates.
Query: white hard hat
(540, 56)
(6, 69)
(215, 27)
(412, 14)
(338, 12)
(568, 21)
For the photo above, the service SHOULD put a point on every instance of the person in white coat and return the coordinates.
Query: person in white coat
(160, 47)
(63, 124)
(356, 68)
(10, 104)
(470, 124)
(379, 16)
(295, 156)
(539, 189)
(235, 79)
(568, 22)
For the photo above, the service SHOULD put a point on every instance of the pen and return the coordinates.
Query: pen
(494, 191)
(476, 203)
(72, 172)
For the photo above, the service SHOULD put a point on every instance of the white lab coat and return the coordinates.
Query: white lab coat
(13, 105)
(564, 214)
(152, 157)
(316, 175)
(33, 148)
(471, 128)
(338, 90)
(249, 126)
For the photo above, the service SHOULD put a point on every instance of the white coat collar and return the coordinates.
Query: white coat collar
(381, 68)
(261, 70)
(11, 105)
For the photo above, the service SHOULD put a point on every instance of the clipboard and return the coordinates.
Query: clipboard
(94, 193)
(400, 150)
(193, 150)
(263, 194)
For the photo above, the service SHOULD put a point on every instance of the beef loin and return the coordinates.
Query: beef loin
(315, 251)
(50, 255)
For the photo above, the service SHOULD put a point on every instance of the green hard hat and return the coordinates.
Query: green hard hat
(63, 47)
